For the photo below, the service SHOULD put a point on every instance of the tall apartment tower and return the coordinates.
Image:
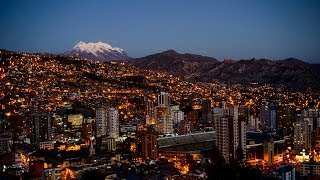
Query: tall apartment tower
(101, 123)
(206, 111)
(113, 122)
(147, 144)
(231, 134)
(264, 115)
(164, 124)
(40, 124)
(272, 117)
(149, 111)
(302, 135)
(268, 115)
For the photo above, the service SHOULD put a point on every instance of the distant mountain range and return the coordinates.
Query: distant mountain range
(97, 51)
(290, 72)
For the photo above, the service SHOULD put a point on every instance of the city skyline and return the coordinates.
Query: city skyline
(223, 30)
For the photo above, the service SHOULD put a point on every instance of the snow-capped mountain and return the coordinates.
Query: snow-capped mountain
(97, 51)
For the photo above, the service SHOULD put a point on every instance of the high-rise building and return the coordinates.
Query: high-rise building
(242, 134)
(41, 127)
(272, 117)
(113, 122)
(302, 135)
(176, 114)
(313, 114)
(227, 137)
(231, 134)
(163, 99)
(264, 115)
(206, 111)
(268, 151)
(164, 124)
(253, 124)
(149, 111)
(147, 144)
(268, 115)
(101, 123)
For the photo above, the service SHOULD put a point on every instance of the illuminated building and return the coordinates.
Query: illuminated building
(264, 115)
(268, 116)
(302, 135)
(76, 120)
(242, 134)
(254, 123)
(192, 118)
(105, 144)
(206, 117)
(149, 111)
(231, 134)
(184, 127)
(41, 126)
(113, 122)
(164, 124)
(176, 114)
(268, 151)
(147, 144)
(163, 99)
(272, 117)
(313, 115)
(101, 124)
(87, 130)
(48, 145)
(111, 143)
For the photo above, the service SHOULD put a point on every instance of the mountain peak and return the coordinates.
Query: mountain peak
(170, 51)
(97, 51)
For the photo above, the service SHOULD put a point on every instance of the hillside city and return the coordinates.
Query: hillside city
(65, 117)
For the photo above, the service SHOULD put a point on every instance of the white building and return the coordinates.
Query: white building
(101, 126)
(164, 99)
(178, 116)
(113, 122)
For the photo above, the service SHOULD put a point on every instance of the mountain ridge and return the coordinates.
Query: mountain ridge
(291, 72)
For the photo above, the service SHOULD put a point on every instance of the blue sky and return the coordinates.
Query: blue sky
(274, 29)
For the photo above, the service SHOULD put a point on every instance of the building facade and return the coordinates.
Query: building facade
(101, 123)
(147, 144)
(113, 122)
(41, 127)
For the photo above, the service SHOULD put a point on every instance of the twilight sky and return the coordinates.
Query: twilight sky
(274, 29)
